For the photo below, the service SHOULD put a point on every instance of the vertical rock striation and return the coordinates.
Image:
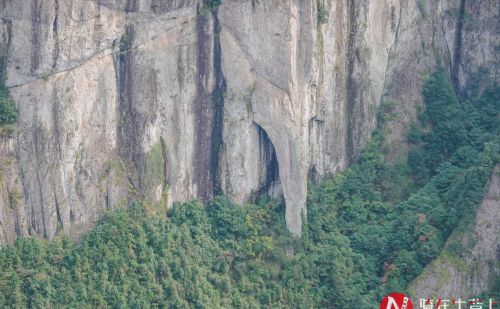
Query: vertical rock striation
(169, 100)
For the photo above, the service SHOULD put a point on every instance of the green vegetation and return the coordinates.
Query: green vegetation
(8, 110)
(154, 170)
(370, 230)
(422, 4)
(210, 5)
(219, 256)
(323, 14)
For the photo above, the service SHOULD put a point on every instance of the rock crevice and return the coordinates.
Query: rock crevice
(170, 100)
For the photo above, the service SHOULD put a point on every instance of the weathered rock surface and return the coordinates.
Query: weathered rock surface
(168, 101)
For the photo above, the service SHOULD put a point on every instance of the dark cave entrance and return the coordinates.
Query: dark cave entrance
(271, 184)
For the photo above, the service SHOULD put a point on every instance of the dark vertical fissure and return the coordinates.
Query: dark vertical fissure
(42, 204)
(202, 111)
(98, 28)
(132, 6)
(254, 5)
(209, 106)
(218, 101)
(5, 52)
(165, 165)
(396, 36)
(38, 153)
(56, 107)
(393, 18)
(107, 202)
(457, 50)
(35, 36)
(55, 35)
(58, 210)
(351, 85)
(130, 125)
(125, 78)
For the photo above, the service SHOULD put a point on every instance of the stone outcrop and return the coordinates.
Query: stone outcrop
(169, 100)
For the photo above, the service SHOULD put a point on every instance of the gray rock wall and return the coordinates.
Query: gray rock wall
(168, 101)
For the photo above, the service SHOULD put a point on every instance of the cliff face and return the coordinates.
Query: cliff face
(170, 100)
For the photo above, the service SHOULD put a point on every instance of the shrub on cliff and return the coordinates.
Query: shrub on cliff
(8, 110)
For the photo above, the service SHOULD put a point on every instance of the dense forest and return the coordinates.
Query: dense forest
(370, 230)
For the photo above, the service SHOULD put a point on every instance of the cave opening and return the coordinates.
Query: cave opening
(271, 184)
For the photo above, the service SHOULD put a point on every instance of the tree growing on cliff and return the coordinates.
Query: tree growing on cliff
(8, 110)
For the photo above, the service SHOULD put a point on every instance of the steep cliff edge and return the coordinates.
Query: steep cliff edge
(173, 100)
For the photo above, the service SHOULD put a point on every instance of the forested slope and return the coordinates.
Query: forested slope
(370, 230)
